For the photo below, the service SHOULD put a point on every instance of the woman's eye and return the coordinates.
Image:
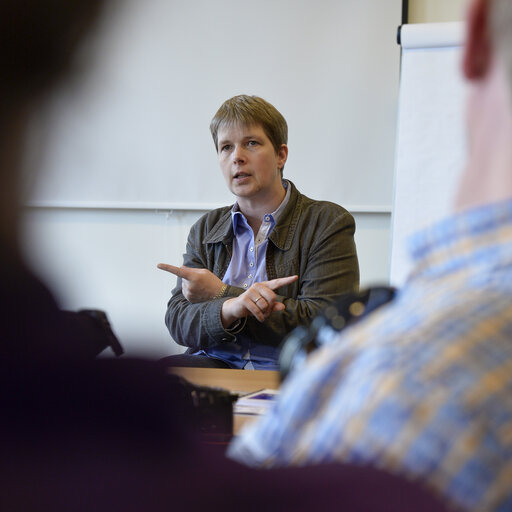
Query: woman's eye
(252, 143)
(226, 147)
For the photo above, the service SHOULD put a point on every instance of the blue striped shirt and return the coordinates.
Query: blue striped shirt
(423, 386)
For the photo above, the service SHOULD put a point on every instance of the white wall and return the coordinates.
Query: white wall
(106, 259)
(436, 11)
(132, 131)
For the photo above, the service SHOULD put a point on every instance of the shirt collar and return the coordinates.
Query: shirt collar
(237, 215)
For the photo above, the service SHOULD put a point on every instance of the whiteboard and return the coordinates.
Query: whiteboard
(132, 131)
(431, 143)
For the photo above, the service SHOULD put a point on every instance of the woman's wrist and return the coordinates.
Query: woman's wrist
(221, 292)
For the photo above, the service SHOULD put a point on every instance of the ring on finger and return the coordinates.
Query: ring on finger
(256, 301)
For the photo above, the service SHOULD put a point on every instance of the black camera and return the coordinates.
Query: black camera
(92, 332)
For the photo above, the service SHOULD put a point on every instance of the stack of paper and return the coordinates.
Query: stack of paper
(256, 403)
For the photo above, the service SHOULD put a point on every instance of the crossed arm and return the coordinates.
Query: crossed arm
(200, 285)
(323, 256)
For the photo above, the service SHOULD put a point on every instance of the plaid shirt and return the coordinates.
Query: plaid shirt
(423, 386)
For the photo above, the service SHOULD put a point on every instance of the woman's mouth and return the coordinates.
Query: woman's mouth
(240, 176)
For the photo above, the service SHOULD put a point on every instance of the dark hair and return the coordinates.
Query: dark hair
(38, 40)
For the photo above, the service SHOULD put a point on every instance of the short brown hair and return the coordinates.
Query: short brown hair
(251, 110)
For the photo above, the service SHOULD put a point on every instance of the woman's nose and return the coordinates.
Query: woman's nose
(238, 154)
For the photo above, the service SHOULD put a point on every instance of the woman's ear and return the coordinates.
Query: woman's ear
(282, 155)
(478, 48)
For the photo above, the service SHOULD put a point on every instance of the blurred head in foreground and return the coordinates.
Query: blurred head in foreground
(487, 65)
(38, 42)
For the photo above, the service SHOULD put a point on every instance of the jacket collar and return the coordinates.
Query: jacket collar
(222, 231)
(284, 231)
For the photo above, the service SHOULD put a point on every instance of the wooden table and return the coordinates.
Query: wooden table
(236, 381)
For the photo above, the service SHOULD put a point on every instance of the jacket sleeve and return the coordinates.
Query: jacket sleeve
(198, 325)
(325, 259)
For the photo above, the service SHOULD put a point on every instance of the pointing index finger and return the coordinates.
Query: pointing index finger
(170, 268)
(274, 284)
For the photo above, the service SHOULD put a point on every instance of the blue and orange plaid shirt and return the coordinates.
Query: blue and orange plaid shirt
(423, 386)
